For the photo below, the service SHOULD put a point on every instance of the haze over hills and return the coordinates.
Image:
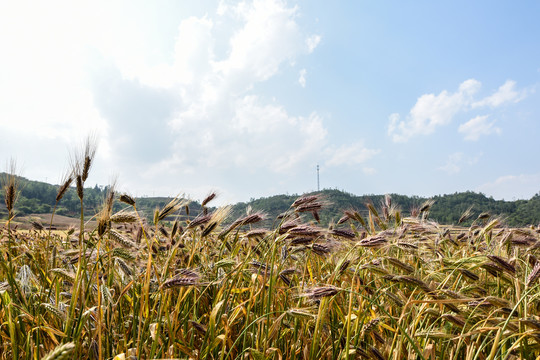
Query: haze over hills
(39, 198)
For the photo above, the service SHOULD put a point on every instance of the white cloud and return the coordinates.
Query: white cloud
(505, 94)
(220, 128)
(432, 111)
(193, 50)
(312, 42)
(268, 37)
(477, 127)
(302, 77)
(171, 100)
(510, 187)
(257, 136)
(43, 106)
(40, 77)
(223, 122)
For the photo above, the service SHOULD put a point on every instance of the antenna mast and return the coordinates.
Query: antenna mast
(318, 184)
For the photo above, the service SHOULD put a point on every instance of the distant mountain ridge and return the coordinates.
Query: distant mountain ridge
(39, 197)
(446, 209)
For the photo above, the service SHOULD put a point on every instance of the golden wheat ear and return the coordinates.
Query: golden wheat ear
(61, 352)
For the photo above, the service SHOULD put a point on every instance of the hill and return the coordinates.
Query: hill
(39, 198)
(446, 209)
(36, 197)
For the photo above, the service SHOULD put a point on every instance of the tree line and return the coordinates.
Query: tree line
(37, 197)
(446, 209)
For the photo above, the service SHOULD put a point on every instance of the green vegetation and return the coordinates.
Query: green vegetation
(39, 198)
(446, 209)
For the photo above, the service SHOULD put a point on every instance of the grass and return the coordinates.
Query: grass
(380, 287)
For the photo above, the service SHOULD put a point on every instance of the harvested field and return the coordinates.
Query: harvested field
(60, 222)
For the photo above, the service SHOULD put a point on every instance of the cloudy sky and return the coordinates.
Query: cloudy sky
(247, 97)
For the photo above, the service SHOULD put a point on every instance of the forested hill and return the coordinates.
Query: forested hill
(38, 197)
(446, 209)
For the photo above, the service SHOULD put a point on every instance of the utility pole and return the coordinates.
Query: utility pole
(318, 184)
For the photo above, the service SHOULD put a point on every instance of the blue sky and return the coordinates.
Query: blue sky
(247, 97)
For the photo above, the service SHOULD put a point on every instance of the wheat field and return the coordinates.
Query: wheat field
(380, 286)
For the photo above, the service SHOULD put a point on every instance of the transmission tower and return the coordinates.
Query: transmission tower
(318, 184)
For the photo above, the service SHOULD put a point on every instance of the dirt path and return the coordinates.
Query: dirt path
(60, 222)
